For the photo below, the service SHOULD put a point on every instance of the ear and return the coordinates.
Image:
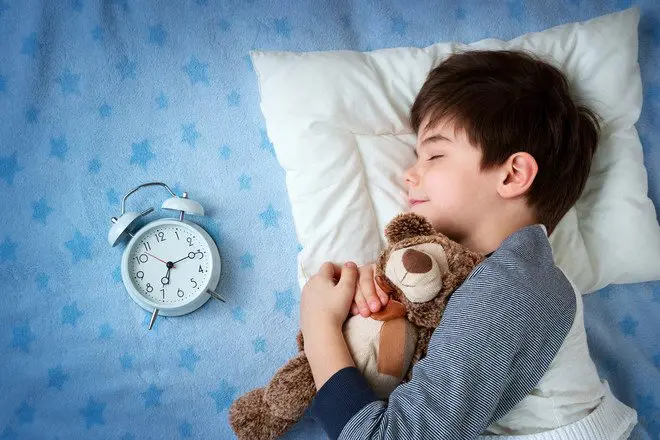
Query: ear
(518, 174)
(406, 225)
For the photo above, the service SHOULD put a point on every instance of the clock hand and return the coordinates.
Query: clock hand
(166, 279)
(187, 256)
(156, 257)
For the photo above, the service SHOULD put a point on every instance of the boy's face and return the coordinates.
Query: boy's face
(446, 184)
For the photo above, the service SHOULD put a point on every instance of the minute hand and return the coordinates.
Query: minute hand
(187, 256)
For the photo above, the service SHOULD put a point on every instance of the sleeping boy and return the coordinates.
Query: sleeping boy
(503, 152)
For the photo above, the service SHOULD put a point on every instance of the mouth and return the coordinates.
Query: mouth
(413, 202)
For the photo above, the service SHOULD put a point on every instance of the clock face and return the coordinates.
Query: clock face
(169, 263)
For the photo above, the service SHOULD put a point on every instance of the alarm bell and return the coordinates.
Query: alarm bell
(123, 225)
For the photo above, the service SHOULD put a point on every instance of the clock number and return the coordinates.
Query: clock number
(177, 235)
(200, 269)
(194, 282)
(201, 254)
(140, 274)
(189, 241)
(147, 246)
(180, 293)
(163, 290)
(160, 236)
(143, 258)
(149, 288)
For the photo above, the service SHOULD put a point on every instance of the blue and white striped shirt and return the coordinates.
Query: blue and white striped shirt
(499, 333)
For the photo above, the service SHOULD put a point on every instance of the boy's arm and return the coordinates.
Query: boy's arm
(327, 353)
(485, 357)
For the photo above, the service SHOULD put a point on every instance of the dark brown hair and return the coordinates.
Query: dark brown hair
(510, 101)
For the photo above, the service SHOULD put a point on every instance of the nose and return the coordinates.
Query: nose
(410, 176)
(415, 261)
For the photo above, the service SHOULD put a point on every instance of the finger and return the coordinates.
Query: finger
(355, 310)
(349, 276)
(384, 297)
(367, 286)
(327, 270)
(361, 303)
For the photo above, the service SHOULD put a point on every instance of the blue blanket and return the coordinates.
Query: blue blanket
(97, 97)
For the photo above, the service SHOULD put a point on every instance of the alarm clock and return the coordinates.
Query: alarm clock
(170, 266)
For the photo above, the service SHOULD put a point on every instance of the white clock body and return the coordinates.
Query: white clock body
(181, 288)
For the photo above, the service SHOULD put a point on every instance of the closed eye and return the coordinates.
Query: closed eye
(436, 156)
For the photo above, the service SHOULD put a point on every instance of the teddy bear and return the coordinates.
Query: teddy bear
(419, 269)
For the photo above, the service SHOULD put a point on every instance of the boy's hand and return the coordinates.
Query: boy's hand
(325, 303)
(368, 295)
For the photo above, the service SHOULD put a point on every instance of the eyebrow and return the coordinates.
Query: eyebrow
(431, 139)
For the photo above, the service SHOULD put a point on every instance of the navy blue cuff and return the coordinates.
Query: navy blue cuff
(340, 398)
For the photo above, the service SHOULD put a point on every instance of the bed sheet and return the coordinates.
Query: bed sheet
(97, 97)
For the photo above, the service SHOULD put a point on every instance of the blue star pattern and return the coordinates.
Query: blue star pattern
(80, 247)
(399, 25)
(259, 345)
(628, 326)
(270, 217)
(266, 144)
(71, 314)
(157, 35)
(106, 331)
(22, 337)
(126, 361)
(188, 359)
(185, 430)
(68, 82)
(57, 377)
(116, 274)
(40, 211)
(7, 250)
(9, 167)
(162, 101)
(223, 396)
(97, 33)
(59, 147)
(30, 45)
(42, 282)
(234, 99)
(142, 153)
(152, 396)
(8, 433)
(32, 115)
(284, 302)
(126, 68)
(93, 413)
(190, 134)
(112, 196)
(245, 181)
(25, 413)
(247, 261)
(516, 9)
(225, 152)
(224, 25)
(282, 27)
(94, 166)
(238, 314)
(105, 111)
(197, 71)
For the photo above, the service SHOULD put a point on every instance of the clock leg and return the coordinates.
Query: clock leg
(215, 295)
(154, 315)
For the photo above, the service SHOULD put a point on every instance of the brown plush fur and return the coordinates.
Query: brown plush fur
(267, 413)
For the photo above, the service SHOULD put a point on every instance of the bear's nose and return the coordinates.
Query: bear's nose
(416, 262)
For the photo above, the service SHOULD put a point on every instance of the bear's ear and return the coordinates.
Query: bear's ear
(407, 225)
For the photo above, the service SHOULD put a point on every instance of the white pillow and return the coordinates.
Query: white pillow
(339, 125)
